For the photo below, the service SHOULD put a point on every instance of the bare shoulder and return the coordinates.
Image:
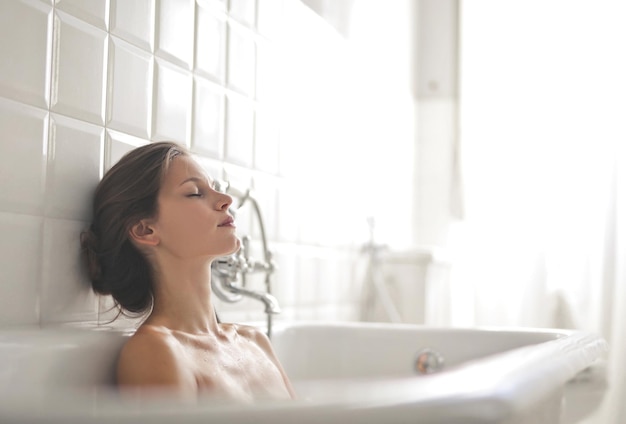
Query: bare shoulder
(153, 357)
(259, 338)
(255, 335)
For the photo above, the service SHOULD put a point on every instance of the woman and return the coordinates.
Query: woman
(158, 223)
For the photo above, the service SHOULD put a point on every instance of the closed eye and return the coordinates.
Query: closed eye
(195, 195)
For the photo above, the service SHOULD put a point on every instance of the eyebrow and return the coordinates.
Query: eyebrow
(198, 180)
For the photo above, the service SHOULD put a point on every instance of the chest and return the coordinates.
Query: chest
(235, 370)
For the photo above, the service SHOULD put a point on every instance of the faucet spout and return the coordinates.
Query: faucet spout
(226, 272)
(270, 302)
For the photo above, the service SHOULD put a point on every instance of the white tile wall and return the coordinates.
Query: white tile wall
(94, 12)
(285, 286)
(172, 102)
(289, 210)
(239, 130)
(65, 296)
(25, 40)
(21, 251)
(129, 89)
(267, 139)
(82, 83)
(210, 53)
(23, 153)
(266, 191)
(133, 21)
(269, 15)
(243, 11)
(208, 118)
(78, 74)
(267, 72)
(241, 59)
(175, 31)
(74, 167)
(117, 145)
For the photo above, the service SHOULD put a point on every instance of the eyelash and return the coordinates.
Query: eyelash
(201, 193)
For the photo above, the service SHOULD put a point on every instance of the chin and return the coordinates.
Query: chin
(237, 246)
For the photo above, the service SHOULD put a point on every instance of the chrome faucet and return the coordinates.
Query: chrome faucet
(228, 270)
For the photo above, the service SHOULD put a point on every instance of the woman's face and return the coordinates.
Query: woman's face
(192, 219)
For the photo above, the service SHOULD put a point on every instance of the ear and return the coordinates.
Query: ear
(143, 233)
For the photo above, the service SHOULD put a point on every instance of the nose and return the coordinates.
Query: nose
(223, 201)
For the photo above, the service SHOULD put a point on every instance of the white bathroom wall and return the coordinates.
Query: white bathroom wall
(438, 196)
(246, 84)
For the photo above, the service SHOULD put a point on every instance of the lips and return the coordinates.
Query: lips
(228, 222)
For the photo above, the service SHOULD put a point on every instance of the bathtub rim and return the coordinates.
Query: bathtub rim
(575, 349)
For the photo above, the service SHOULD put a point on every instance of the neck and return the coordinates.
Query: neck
(182, 298)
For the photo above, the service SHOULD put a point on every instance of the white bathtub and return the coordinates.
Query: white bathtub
(344, 373)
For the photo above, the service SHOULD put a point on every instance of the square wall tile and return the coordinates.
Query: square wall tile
(268, 74)
(207, 136)
(175, 30)
(213, 168)
(289, 209)
(217, 5)
(239, 130)
(117, 144)
(74, 167)
(133, 21)
(285, 277)
(243, 11)
(241, 60)
(21, 253)
(23, 151)
(129, 104)
(269, 17)
(266, 140)
(172, 103)
(266, 194)
(210, 48)
(78, 75)
(66, 294)
(95, 12)
(25, 47)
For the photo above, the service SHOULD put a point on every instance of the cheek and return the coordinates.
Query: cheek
(195, 226)
(184, 226)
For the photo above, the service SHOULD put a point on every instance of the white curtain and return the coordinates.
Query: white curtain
(543, 148)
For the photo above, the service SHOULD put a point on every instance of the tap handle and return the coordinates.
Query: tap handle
(245, 241)
(271, 264)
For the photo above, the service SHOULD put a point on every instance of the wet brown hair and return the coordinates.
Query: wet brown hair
(127, 193)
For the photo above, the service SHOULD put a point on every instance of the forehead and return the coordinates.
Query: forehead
(183, 167)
